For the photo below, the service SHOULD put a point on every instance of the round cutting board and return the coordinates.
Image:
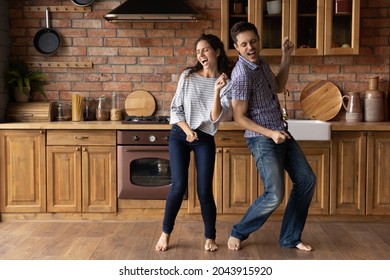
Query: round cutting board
(140, 103)
(321, 100)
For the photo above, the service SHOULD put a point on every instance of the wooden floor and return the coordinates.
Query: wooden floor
(118, 240)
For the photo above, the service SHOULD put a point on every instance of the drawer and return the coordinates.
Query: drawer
(29, 112)
(230, 139)
(81, 137)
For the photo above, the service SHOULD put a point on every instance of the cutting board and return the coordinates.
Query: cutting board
(321, 100)
(140, 103)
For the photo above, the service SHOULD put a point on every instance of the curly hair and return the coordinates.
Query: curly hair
(225, 64)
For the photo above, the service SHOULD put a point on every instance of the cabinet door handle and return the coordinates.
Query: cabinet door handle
(81, 137)
(78, 149)
(84, 149)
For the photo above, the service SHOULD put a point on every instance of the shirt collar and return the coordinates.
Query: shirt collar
(251, 65)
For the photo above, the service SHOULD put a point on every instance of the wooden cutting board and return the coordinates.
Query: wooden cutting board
(140, 103)
(321, 100)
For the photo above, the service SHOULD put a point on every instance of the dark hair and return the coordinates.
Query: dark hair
(242, 26)
(225, 64)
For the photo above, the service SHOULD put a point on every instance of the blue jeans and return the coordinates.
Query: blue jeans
(271, 161)
(179, 153)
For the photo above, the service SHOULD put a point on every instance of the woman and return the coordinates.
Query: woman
(201, 101)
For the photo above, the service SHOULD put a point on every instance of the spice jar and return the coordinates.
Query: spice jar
(89, 109)
(115, 113)
(102, 113)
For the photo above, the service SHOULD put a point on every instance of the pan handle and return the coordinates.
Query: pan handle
(47, 17)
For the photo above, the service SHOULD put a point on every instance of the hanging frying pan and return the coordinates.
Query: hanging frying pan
(82, 3)
(47, 40)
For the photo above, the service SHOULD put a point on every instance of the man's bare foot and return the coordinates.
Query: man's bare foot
(210, 245)
(234, 243)
(304, 247)
(162, 243)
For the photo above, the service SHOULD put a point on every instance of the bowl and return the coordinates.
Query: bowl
(274, 7)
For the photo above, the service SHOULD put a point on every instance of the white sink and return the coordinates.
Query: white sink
(311, 130)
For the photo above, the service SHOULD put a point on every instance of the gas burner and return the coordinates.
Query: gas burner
(146, 119)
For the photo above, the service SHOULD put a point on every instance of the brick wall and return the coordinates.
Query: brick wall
(150, 56)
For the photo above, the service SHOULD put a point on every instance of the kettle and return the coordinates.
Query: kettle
(353, 108)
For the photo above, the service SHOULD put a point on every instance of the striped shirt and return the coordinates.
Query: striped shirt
(193, 102)
(257, 85)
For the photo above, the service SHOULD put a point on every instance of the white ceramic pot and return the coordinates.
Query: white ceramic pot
(274, 7)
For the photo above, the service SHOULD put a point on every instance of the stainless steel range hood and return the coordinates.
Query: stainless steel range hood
(153, 10)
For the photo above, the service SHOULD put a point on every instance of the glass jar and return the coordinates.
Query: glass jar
(102, 113)
(115, 113)
(89, 109)
(63, 112)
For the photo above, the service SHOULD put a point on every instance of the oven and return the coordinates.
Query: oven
(143, 164)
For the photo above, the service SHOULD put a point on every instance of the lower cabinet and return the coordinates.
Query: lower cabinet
(81, 171)
(22, 171)
(237, 183)
(360, 177)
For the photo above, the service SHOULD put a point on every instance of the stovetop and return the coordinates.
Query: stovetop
(146, 119)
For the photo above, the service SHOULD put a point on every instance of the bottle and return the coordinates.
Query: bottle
(115, 113)
(237, 7)
(89, 109)
(373, 102)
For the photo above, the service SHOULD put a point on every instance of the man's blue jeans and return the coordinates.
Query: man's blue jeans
(179, 153)
(271, 161)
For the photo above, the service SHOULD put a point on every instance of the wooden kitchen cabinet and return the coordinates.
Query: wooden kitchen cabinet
(318, 155)
(22, 171)
(235, 175)
(348, 173)
(378, 173)
(81, 171)
(312, 25)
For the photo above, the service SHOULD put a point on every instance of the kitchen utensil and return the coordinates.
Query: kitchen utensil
(353, 102)
(140, 103)
(47, 40)
(321, 100)
(82, 3)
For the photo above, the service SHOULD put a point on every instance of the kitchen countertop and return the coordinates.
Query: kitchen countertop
(106, 125)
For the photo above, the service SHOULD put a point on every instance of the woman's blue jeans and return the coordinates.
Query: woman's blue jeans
(271, 161)
(179, 153)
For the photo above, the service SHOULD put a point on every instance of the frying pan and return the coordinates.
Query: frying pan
(47, 40)
(82, 2)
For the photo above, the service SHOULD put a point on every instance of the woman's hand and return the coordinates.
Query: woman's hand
(220, 82)
(192, 136)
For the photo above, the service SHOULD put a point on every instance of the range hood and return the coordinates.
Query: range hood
(153, 10)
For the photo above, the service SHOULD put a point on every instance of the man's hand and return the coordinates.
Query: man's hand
(287, 46)
(279, 136)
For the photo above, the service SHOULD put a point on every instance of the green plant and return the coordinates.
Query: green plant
(19, 75)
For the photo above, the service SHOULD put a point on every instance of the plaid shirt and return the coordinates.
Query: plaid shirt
(257, 85)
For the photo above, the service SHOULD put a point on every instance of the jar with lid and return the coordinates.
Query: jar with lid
(63, 112)
(115, 113)
(89, 109)
(102, 113)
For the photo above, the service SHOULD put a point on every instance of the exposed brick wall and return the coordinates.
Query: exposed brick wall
(150, 56)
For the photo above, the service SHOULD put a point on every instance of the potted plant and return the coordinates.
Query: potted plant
(24, 81)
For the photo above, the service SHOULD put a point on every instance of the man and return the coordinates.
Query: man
(257, 109)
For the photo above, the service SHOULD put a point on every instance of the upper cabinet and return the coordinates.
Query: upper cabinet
(316, 27)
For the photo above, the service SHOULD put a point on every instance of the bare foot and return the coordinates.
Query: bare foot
(234, 243)
(162, 243)
(210, 245)
(304, 247)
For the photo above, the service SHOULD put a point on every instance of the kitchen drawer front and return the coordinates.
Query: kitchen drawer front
(81, 137)
(230, 139)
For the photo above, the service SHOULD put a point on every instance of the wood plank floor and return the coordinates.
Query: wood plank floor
(121, 240)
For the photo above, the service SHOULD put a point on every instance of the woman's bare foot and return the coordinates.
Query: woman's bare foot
(234, 243)
(210, 245)
(162, 243)
(304, 247)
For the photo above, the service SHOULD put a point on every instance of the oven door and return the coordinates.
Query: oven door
(143, 172)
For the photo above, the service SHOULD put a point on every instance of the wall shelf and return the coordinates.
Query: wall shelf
(61, 64)
(62, 9)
